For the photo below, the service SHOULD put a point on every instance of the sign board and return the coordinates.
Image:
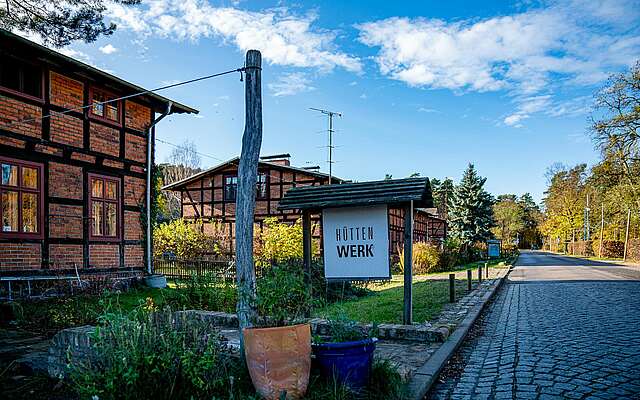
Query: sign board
(493, 248)
(356, 243)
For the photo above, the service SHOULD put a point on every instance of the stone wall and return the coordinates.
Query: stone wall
(73, 342)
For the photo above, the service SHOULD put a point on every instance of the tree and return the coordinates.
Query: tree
(59, 22)
(442, 193)
(184, 161)
(615, 126)
(532, 218)
(470, 213)
(564, 202)
(508, 217)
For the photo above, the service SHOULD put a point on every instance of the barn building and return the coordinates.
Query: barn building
(73, 165)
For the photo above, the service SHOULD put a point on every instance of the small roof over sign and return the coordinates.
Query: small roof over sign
(394, 192)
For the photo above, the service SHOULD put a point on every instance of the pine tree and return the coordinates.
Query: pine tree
(442, 194)
(470, 210)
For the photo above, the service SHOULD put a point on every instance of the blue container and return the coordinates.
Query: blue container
(348, 362)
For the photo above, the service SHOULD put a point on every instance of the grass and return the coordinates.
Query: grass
(384, 304)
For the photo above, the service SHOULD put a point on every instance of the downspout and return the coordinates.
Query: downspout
(150, 142)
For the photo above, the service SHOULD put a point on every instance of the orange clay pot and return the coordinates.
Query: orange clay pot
(279, 359)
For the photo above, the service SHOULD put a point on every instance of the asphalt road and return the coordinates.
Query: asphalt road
(561, 327)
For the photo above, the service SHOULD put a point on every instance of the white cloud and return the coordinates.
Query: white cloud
(353, 83)
(290, 84)
(108, 49)
(526, 54)
(284, 38)
(363, 96)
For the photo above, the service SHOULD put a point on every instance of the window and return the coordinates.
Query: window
(100, 109)
(261, 186)
(231, 187)
(21, 77)
(20, 198)
(105, 198)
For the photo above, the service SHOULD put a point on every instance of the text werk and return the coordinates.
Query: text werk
(350, 234)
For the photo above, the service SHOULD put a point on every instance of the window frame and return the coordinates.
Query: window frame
(103, 200)
(39, 234)
(98, 117)
(18, 93)
(224, 187)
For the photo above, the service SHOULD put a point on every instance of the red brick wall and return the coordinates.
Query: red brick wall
(65, 221)
(133, 191)
(12, 142)
(16, 256)
(104, 139)
(104, 255)
(65, 181)
(12, 111)
(135, 148)
(65, 91)
(67, 130)
(65, 255)
(132, 226)
(133, 256)
(137, 116)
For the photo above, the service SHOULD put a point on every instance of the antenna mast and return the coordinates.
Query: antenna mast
(330, 132)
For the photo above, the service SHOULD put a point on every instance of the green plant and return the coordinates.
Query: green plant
(426, 258)
(205, 292)
(141, 355)
(282, 295)
(343, 329)
(184, 239)
(280, 243)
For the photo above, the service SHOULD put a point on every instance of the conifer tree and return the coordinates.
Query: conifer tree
(470, 210)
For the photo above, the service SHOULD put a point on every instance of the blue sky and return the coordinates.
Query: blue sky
(423, 86)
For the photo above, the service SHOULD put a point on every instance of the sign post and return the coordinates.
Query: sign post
(407, 314)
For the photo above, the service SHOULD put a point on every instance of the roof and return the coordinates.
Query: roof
(390, 191)
(70, 64)
(180, 184)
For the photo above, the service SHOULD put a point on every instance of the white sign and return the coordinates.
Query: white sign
(356, 242)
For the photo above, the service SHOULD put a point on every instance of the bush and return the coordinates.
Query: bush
(138, 356)
(426, 258)
(183, 239)
(610, 248)
(283, 295)
(281, 243)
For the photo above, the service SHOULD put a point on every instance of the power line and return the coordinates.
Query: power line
(127, 96)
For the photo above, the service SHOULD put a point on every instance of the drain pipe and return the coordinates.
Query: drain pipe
(150, 142)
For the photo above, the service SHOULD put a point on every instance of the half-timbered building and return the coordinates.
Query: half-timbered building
(210, 196)
(73, 162)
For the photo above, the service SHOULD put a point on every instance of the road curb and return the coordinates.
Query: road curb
(424, 378)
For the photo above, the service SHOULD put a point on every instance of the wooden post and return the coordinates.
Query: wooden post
(407, 316)
(479, 273)
(469, 279)
(306, 248)
(452, 288)
(626, 236)
(246, 193)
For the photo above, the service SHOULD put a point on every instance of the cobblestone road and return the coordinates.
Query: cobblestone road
(560, 328)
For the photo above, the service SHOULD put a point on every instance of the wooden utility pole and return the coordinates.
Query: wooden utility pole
(407, 316)
(601, 230)
(626, 236)
(246, 193)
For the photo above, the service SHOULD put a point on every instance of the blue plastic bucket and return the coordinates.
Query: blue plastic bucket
(348, 362)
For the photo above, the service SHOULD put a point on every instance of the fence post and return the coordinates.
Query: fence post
(469, 279)
(486, 270)
(452, 288)
(479, 273)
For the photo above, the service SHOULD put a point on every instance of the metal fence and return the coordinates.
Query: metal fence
(224, 269)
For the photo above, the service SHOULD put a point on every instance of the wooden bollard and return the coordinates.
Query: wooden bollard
(479, 273)
(486, 270)
(452, 288)
(469, 279)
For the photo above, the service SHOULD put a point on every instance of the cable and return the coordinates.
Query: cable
(128, 96)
